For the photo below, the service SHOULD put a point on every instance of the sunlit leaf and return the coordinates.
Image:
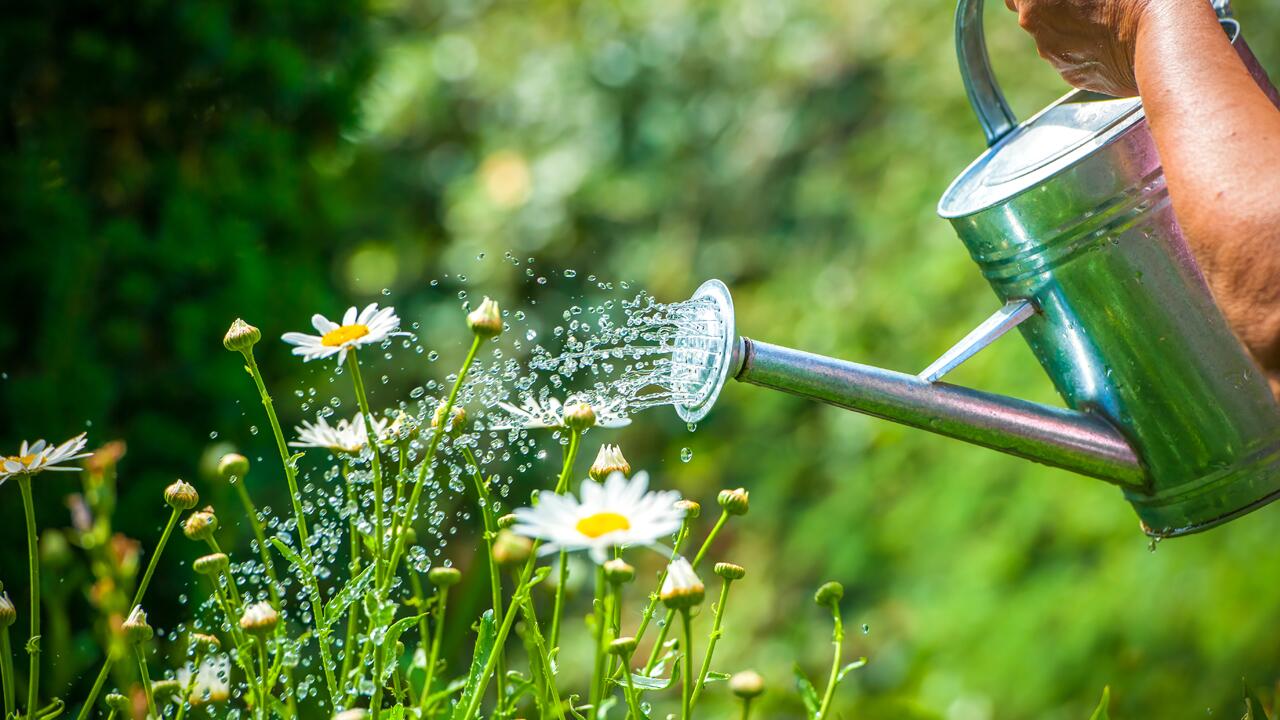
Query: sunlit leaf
(807, 692)
(1103, 704)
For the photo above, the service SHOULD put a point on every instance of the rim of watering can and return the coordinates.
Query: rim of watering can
(714, 381)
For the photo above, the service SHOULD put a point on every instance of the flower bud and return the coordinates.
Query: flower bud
(202, 643)
(233, 467)
(829, 594)
(618, 572)
(444, 576)
(486, 320)
(180, 495)
(623, 647)
(746, 684)
(135, 628)
(164, 689)
(506, 521)
(200, 525)
(729, 571)
(579, 416)
(241, 337)
(691, 508)
(118, 703)
(457, 419)
(682, 588)
(8, 613)
(211, 564)
(401, 430)
(510, 548)
(735, 502)
(609, 461)
(259, 618)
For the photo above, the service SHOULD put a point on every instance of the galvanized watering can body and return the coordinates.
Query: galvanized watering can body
(1070, 211)
(1069, 220)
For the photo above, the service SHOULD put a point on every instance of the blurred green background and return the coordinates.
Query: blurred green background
(166, 167)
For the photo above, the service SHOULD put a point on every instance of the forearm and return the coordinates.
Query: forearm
(1219, 138)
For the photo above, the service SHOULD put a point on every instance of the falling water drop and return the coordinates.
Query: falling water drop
(686, 454)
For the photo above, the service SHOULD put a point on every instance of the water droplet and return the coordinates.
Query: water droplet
(866, 628)
(686, 454)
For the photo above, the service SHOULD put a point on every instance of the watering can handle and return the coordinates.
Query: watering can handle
(994, 114)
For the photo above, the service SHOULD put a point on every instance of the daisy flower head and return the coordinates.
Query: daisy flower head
(618, 513)
(550, 413)
(358, 328)
(39, 456)
(348, 437)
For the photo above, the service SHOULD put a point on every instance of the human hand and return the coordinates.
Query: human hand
(1089, 42)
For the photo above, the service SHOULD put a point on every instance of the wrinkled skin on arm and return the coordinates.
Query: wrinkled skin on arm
(1217, 132)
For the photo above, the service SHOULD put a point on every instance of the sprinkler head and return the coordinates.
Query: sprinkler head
(705, 351)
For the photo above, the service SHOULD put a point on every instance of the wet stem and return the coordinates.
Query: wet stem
(714, 638)
(33, 563)
(666, 621)
(6, 672)
(242, 653)
(837, 639)
(304, 545)
(375, 442)
(495, 580)
(686, 705)
(601, 619)
(523, 588)
(146, 680)
(137, 598)
(442, 600)
(562, 485)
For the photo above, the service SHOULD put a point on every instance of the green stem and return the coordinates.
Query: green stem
(652, 605)
(353, 619)
(746, 708)
(6, 673)
(442, 601)
(544, 659)
(522, 592)
(667, 619)
(233, 590)
(428, 461)
(562, 579)
(837, 639)
(686, 707)
(597, 673)
(33, 563)
(712, 640)
(631, 690)
(353, 363)
(146, 680)
(185, 699)
(137, 599)
(495, 579)
(260, 536)
(317, 605)
(237, 637)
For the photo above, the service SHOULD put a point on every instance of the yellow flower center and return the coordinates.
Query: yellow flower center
(26, 460)
(593, 526)
(345, 334)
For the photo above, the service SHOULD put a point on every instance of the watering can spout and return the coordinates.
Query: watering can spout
(1068, 439)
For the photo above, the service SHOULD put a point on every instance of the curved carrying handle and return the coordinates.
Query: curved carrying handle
(988, 101)
(984, 92)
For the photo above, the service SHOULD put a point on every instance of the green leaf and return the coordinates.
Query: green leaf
(388, 646)
(454, 686)
(714, 676)
(860, 662)
(645, 682)
(340, 602)
(1103, 704)
(33, 645)
(292, 556)
(50, 711)
(487, 634)
(807, 692)
(1253, 708)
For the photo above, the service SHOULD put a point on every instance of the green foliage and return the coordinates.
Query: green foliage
(166, 167)
(1103, 705)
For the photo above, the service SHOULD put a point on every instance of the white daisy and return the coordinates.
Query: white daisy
(364, 327)
(533, 415)
(211, 683)
(348, 437)
(619, 513)
(40, 456)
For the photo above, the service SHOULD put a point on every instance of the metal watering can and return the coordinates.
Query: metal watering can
(1068, 218)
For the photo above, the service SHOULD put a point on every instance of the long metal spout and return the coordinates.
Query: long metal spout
(1072, 440)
